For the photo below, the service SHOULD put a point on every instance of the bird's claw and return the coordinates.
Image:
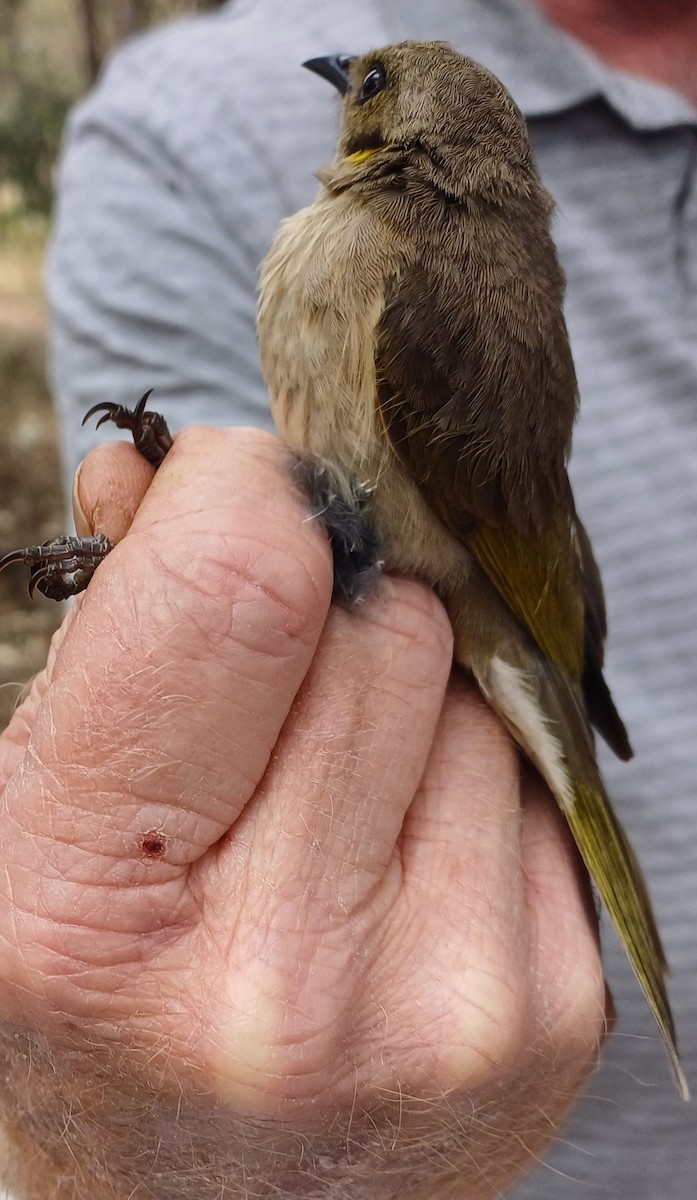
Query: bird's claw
(62, 567)
(149, 430)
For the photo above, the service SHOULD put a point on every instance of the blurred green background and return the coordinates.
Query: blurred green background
(51, 51)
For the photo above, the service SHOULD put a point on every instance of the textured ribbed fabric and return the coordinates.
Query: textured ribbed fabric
(176, 173)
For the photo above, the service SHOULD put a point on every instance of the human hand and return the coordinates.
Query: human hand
(276, 915)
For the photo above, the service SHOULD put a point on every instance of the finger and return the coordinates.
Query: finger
(350, 756)
(108, 488)
(461, 840)
(309, 871)
(462, 875)
(572, 1010)
(516, 939)
(171, 687)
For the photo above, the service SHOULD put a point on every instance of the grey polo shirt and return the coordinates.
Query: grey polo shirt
(175, 175)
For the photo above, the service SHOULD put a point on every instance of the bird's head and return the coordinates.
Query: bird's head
(424, 104)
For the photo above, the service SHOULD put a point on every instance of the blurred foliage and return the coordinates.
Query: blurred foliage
(50, 53)
(31, 120)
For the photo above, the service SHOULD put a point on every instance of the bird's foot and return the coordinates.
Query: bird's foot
(355, 545)
(64, 566)
(149, 430)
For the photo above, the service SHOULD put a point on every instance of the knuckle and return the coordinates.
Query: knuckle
(489, 1037)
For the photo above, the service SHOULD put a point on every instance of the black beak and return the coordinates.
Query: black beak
(334, 67)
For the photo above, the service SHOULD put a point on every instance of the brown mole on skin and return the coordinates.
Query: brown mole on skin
(153, 844)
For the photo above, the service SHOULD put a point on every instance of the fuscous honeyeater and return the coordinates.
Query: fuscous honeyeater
(413, 339)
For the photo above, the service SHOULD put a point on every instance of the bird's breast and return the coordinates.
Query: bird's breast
(322, 287)
(322, 293)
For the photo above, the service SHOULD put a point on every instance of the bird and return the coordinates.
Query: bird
(412, 336)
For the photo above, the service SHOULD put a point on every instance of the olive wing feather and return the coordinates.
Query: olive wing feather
(462, 407)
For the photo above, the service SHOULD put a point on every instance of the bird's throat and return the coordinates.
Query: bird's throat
(361, 156)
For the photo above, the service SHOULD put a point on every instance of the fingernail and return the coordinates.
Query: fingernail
(83, 526)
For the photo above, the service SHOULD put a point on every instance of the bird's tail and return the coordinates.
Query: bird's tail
(546, 717)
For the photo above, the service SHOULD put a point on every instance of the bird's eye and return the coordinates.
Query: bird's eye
(374, 82)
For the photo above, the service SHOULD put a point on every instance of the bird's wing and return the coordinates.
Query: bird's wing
(455, 400)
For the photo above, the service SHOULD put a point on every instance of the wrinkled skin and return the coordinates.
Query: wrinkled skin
(270, 870)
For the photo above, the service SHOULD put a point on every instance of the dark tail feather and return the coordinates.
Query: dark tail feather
(603, 715)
